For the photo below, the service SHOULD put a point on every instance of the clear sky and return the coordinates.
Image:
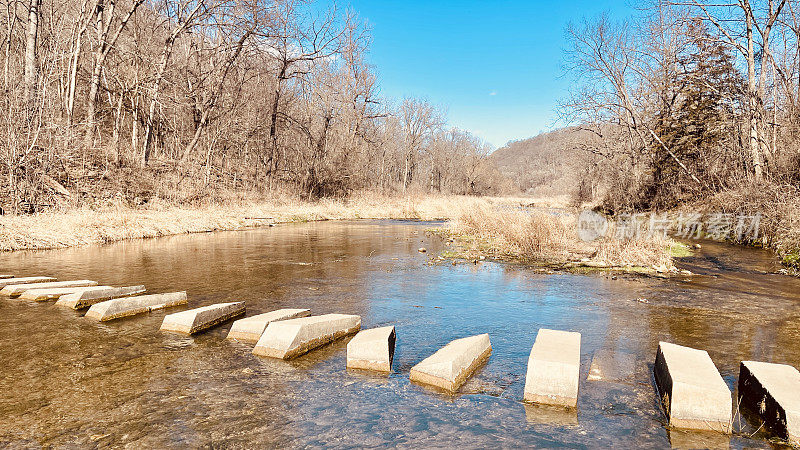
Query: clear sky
(495, 66)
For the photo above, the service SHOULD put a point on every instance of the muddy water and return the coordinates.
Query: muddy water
(70, 382)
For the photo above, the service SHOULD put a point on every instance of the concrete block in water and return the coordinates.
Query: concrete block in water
(611, 365)
(372, 349)
(130, 306)
(250, 329)
(43, 295)
(199, 319)
(553, 368)
(291, 338)
(772, 391)
(89, 297)
(24, 280)
(693, 393)
(454, 363)
(15, 290)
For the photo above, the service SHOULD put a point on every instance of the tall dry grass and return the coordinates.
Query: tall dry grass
(513, 232)
(536, 235)
(779, 207)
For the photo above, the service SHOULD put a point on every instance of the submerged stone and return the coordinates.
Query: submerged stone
(693, 393)
(772, 392)
(454, 363)
(553, 368)
(611, 365)
(288, 339)
(24, 280)
(372, 349)
(89, 297)
(43, 295)
(131, 306)
(199, 319)
(15, 290)
(250, 329)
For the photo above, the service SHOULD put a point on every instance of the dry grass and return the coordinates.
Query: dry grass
(779, 206)
(551, 238)
(513, 232)
(59, 229)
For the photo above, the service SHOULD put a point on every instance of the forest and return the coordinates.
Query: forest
(692, 103)
(121, 101)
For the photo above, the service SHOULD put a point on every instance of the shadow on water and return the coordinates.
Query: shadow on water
(67, 381)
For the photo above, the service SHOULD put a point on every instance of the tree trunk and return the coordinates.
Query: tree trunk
(31, 69)
(162, 66)
(755, 151)
(11, 20)
(72, 79)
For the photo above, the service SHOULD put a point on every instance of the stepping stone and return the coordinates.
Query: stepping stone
(25, 280)
(372, 349)
(131, 306)
(693, 393)
(772, 392)
(288, 339)
(94, 295)
(550, 415)
(553, 368)
(250, 329)
(15, 290)
(43, 295)
(610, 365)
(454, 363)
(2, 276)
(199, 319)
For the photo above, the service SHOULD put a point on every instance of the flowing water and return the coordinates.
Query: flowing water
(67, 381)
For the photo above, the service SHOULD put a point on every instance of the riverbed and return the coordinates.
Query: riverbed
(67, 381)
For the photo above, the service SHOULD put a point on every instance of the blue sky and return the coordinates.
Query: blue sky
(495, 66)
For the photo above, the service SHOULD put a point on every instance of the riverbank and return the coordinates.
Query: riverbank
(84, 226)
(480, 227)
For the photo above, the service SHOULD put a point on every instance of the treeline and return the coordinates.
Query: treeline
(690, 101)
(176, 98)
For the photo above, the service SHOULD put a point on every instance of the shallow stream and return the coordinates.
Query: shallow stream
(67, 381)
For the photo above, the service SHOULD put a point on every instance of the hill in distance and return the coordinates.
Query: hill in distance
(549, 164)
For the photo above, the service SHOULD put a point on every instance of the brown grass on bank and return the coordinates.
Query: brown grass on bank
(551, 238)
(513, 233)
(779, 207)
(59, 229)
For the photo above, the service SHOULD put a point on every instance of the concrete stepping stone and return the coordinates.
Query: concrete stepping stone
(43, 295)
(554, 368)
(250, 329)
(199, 319)
(288, 339)
(15, 290)
(372, 349)
(692, 391)
(89, 297)
(131, 306)
(611, 365)
(772, 391)
(454, 363)
(538, 414)
(24, 280)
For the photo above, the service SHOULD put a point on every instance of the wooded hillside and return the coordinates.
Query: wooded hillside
(125, 100)
(550, 163)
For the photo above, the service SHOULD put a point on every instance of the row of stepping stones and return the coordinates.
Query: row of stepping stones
(691, 389)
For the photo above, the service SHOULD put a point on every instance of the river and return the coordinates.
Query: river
(67, 381)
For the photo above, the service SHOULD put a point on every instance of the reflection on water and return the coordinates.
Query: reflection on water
(67, 381)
